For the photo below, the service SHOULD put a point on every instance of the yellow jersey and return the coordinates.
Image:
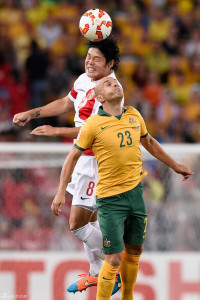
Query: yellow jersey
(115, 142)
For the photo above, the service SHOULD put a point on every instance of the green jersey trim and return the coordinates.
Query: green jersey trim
(143, 136)
(101, 112)
(79, 148)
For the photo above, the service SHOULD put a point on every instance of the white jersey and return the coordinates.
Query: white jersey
(83, 96)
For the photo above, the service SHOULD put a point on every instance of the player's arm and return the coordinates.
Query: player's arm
(55, 108)
(47, 130)
(65, 176)
(153, 147)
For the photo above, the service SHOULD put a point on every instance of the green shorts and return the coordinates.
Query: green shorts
(122, 219)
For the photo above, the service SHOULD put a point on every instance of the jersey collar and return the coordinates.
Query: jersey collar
(101, 112)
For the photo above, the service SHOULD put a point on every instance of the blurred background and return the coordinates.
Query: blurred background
(41, 54)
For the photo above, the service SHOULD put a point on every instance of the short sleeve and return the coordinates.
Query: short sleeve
(85, 137)
(144, 131)
(73, 94)
(74, 91)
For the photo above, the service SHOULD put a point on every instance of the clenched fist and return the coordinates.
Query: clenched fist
(21, 119)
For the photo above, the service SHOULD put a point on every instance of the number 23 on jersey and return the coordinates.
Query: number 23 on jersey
(125, 138)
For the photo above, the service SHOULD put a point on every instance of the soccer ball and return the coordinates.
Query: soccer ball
(95, 25)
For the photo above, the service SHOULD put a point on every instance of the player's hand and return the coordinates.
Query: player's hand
(45, 130)
(21, 119)
(183, 170)
(57, 204)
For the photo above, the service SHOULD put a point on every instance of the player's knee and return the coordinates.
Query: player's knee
(94, 217)
(79, 217)
(74, 224)
(134, 249)
(114, 259)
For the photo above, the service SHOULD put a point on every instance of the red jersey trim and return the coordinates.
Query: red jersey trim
(89, 152)
(73, 93)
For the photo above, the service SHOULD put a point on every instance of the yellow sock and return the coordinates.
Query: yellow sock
(128, 273)
(106, 281)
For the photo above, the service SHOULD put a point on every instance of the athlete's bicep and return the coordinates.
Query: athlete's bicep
(75, 153)
(146, 141)
(68, 104)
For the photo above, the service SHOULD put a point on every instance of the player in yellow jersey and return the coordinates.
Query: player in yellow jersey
(115, 134)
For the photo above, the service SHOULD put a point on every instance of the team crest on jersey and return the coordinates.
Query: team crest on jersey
(90, 94)
(106, 242)
(132, 120)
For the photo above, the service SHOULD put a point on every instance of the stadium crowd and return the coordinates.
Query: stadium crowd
(27, 222)
(41, 54)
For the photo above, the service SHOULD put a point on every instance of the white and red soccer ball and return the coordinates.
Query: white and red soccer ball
(95, 25)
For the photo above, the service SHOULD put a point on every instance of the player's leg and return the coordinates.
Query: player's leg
(107, 275)
(129, 269)
(82, 187)
(95, 261)
(91, 237)
(93, 258)
(82, 227)
(134, 236)
(111, 219)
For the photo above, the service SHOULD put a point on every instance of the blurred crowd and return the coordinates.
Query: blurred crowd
(42, 52)
(27, 222)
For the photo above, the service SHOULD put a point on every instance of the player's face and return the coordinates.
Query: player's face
(110, 89)
(95, 65)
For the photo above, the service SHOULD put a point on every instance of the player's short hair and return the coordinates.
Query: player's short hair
(109, 49)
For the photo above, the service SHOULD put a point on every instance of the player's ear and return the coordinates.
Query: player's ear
(111, 63)
(100, 98)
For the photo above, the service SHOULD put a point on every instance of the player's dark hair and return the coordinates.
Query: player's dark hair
(109, 49)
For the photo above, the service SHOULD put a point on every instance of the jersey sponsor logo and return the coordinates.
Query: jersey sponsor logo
(108, 278)
(106, 242)
(90, 283)
(104, 127)
(136, 128)
(132, 120)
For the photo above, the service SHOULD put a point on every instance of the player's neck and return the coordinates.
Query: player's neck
(114, 109)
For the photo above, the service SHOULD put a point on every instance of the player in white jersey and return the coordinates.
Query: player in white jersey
(102, 60)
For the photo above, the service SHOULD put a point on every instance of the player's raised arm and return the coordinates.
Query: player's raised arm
(55, 108)
(153, 147)
(65, 176)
